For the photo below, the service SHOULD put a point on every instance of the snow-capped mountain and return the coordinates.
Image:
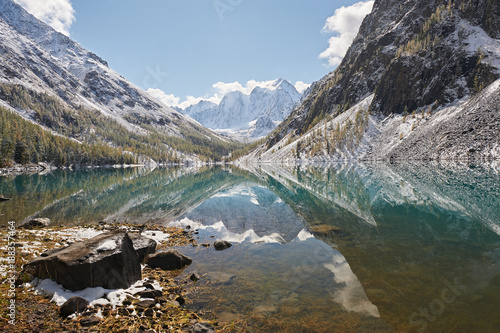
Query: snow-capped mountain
(420, 81)
(248, 116)
(35, 56)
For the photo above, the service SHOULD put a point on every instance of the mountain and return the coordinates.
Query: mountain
(420, 81)
(51, 80)
(251, 116)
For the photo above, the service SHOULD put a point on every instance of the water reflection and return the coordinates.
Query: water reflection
(406, 247)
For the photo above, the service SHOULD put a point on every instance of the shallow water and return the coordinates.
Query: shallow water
(347, 248)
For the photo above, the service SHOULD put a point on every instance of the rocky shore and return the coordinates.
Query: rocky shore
(101, 278)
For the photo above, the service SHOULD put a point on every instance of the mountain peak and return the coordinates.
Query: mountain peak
(238, 114)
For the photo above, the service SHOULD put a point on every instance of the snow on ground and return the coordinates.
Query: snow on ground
(98, 295)
(156, 235)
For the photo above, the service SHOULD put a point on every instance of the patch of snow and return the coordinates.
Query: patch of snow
(96, 296)
(109, 245)
(157, 236)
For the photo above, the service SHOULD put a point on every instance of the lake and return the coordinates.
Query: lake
(342, 248)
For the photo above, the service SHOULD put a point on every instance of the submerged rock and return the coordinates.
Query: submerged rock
(221, 245)
(201, 328)
(75, 304)
(107, 260)
(168, 260)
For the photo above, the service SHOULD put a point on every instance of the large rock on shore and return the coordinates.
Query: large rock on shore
(108, 260)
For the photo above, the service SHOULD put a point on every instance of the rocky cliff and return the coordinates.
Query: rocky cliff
(409, 57)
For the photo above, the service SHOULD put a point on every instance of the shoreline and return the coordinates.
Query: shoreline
(36, 312)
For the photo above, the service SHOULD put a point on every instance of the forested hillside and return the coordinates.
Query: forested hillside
(80, 128)
(50, 80)
(24, 142)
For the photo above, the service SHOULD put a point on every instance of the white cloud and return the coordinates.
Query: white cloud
(345, 22)
(224, 88)
(59, 14)
(301, 86)
(220, 89)
(160, 95)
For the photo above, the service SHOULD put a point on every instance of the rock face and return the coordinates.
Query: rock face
(143, 246)
(74, 304)
(248, 116)
(108, 260)
(168, 260)
(410, 56)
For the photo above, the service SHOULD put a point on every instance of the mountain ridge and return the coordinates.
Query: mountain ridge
(414, 58)
(248, 116)
(45, 61)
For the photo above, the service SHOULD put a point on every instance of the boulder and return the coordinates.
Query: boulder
(168, 260)
(221, 245)
(75, 304)
(149, 294)
(38, 222)
(144, 246)
(145, 304)
(107, 260)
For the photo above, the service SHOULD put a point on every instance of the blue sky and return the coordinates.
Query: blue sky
(182, 48)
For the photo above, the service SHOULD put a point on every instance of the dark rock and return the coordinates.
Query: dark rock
(149, 312)
(162, 300)
(194, 277)
(108, 260)
(180, 300)
(145, 304)
(221, 245)
(90, 321)
(88, 313)
(123, 312)
(73, 305)
(168, 260)
(39, 222)
(149, 294)
(148, 286)
(144, 246)
(201, 328)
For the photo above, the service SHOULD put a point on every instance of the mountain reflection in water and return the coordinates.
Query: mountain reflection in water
(316, 249)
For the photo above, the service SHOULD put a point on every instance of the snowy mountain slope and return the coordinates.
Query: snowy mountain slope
(413, 58)
(248, 116)
(37, 57)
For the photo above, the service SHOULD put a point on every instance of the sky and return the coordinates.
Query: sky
(183, 51)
